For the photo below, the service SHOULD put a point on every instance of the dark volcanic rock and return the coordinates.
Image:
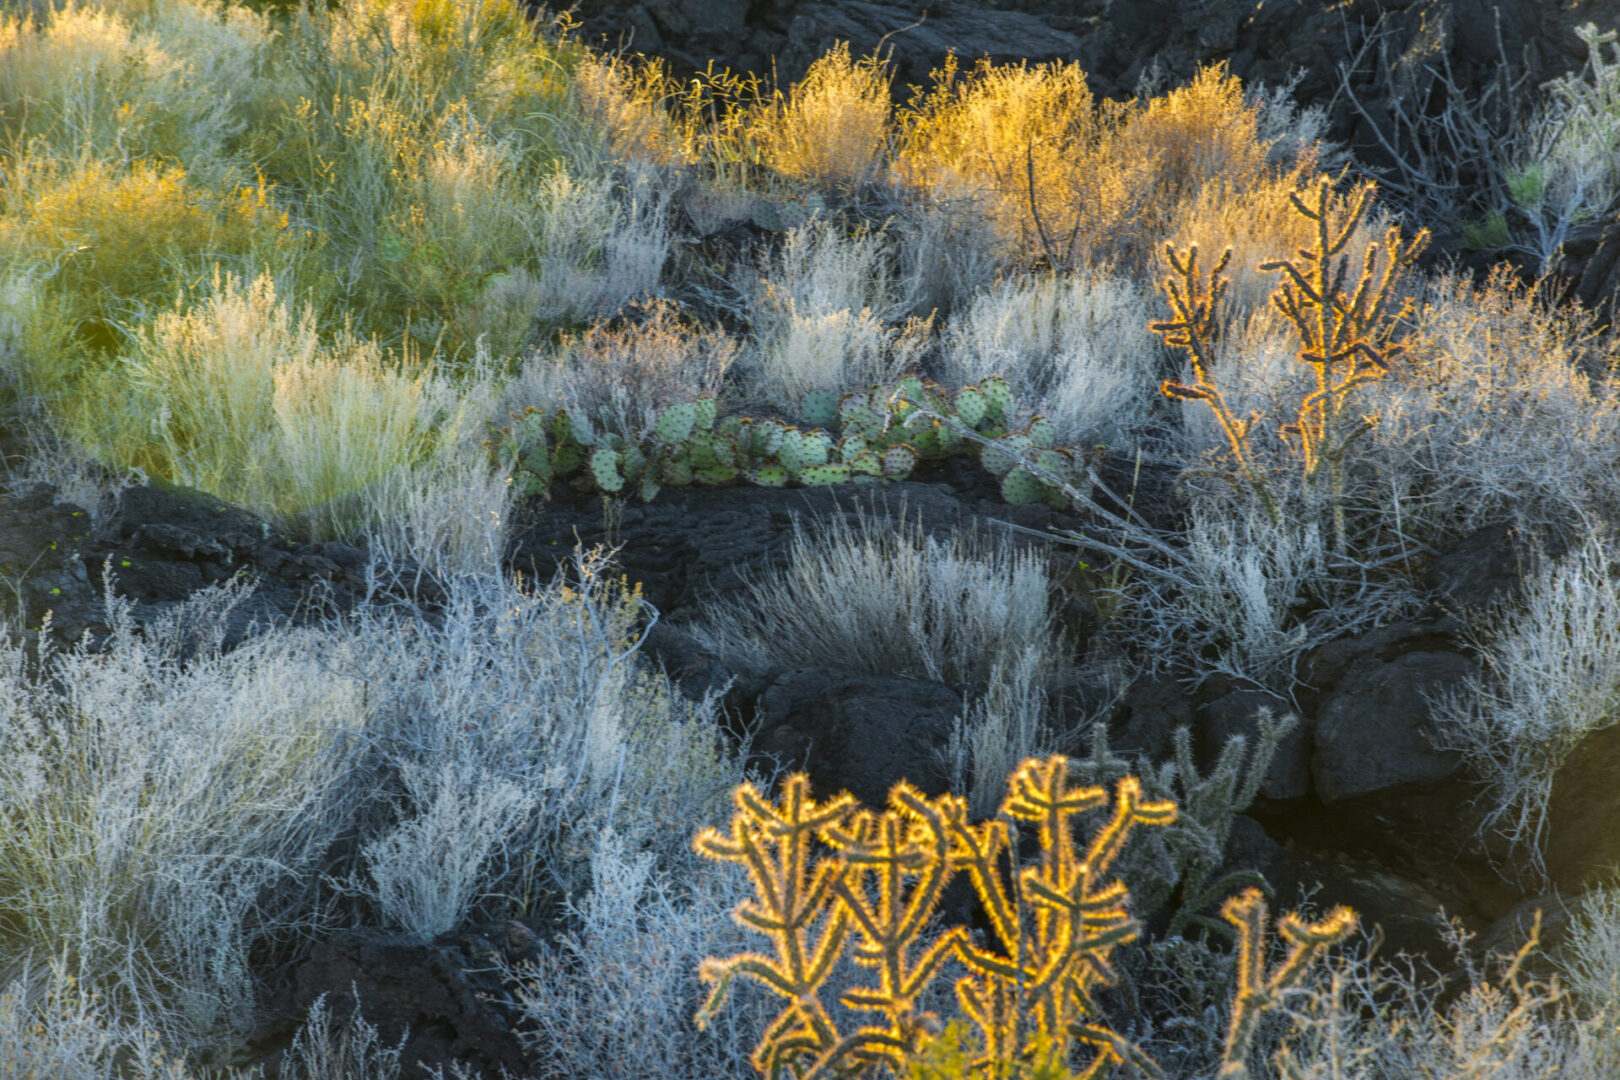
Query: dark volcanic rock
(701, 544)
(1374, 731)
(859, 733)
(1583, 816)
(1237, 712)
(436, 997)
(159, 546)
(918, 40)
(1146, 718)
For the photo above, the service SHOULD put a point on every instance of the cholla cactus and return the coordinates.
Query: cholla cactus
(831, 875)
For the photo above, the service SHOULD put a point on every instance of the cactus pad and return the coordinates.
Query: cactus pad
(605, 469)
(898, 461)
(1021, 488)
(675, 422)
(820, 475)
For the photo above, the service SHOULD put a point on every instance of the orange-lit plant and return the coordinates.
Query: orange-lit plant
(826, 874)
(1346, 334)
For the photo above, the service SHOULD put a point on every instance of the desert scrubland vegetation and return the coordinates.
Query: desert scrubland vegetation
(408, 276)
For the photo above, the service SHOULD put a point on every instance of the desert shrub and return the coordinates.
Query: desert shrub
(110, 244)
(1565, 169)
(617, 375)
(1248, 594)
(1362, 1017)
(1258, 222)
(821, 314)
(1069, 181)
(53, 1025)
(174, 81)
(604, 246)
(239, 397)
(413, 140)
(832, 126)
(893, 601)
(1074, 347)
(163, 820)
(995, 133)
(1550, 676)
(1590, 956)
(1500, 411)
(537, 688)
(621, 984)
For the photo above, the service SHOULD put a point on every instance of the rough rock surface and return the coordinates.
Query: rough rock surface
(859, 733)
(700, 544)
(1237, 712)
(1374, 731)
(435, 997)
(1583, 816)
(160, 545)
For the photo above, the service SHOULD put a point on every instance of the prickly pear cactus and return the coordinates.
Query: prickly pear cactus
(880, 433)
(605, 469)
(820, 408)
(897, 463)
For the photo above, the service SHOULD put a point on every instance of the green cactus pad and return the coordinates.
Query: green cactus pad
(866, 463)
(632, 462)
(704, 411)
(970, 406)
(851, 446)
(1021, 488)
(716, 476)
(676, 472)
(792, 452)
(998, 398)
(818, 447)
(605, 469)
(567, 459)
(675, 422)
(649, 487)
(1041, 433)
(1055, 462)
(768, 476)
(821, 475)
(767, 436)
(857, 414)
(820, 408)
(898, 461)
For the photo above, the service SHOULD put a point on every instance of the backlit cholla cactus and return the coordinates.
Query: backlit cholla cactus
(831, 875)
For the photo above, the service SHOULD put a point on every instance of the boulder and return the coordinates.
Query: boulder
(1147, 716)
(1583, 815)
(439, 998)
(1374, 731)
(859, 733)
(1237, 712)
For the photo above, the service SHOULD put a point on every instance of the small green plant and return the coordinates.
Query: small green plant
(880, 433)
(829, 875)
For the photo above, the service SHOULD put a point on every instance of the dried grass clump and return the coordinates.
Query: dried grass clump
(235, 396)
(1506, 408)
(893, 601)
(165, 819)
(1550, 676)
(617, 375)
(111, 244)
(1074, 348)
(832, 127)
(1071, 181)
